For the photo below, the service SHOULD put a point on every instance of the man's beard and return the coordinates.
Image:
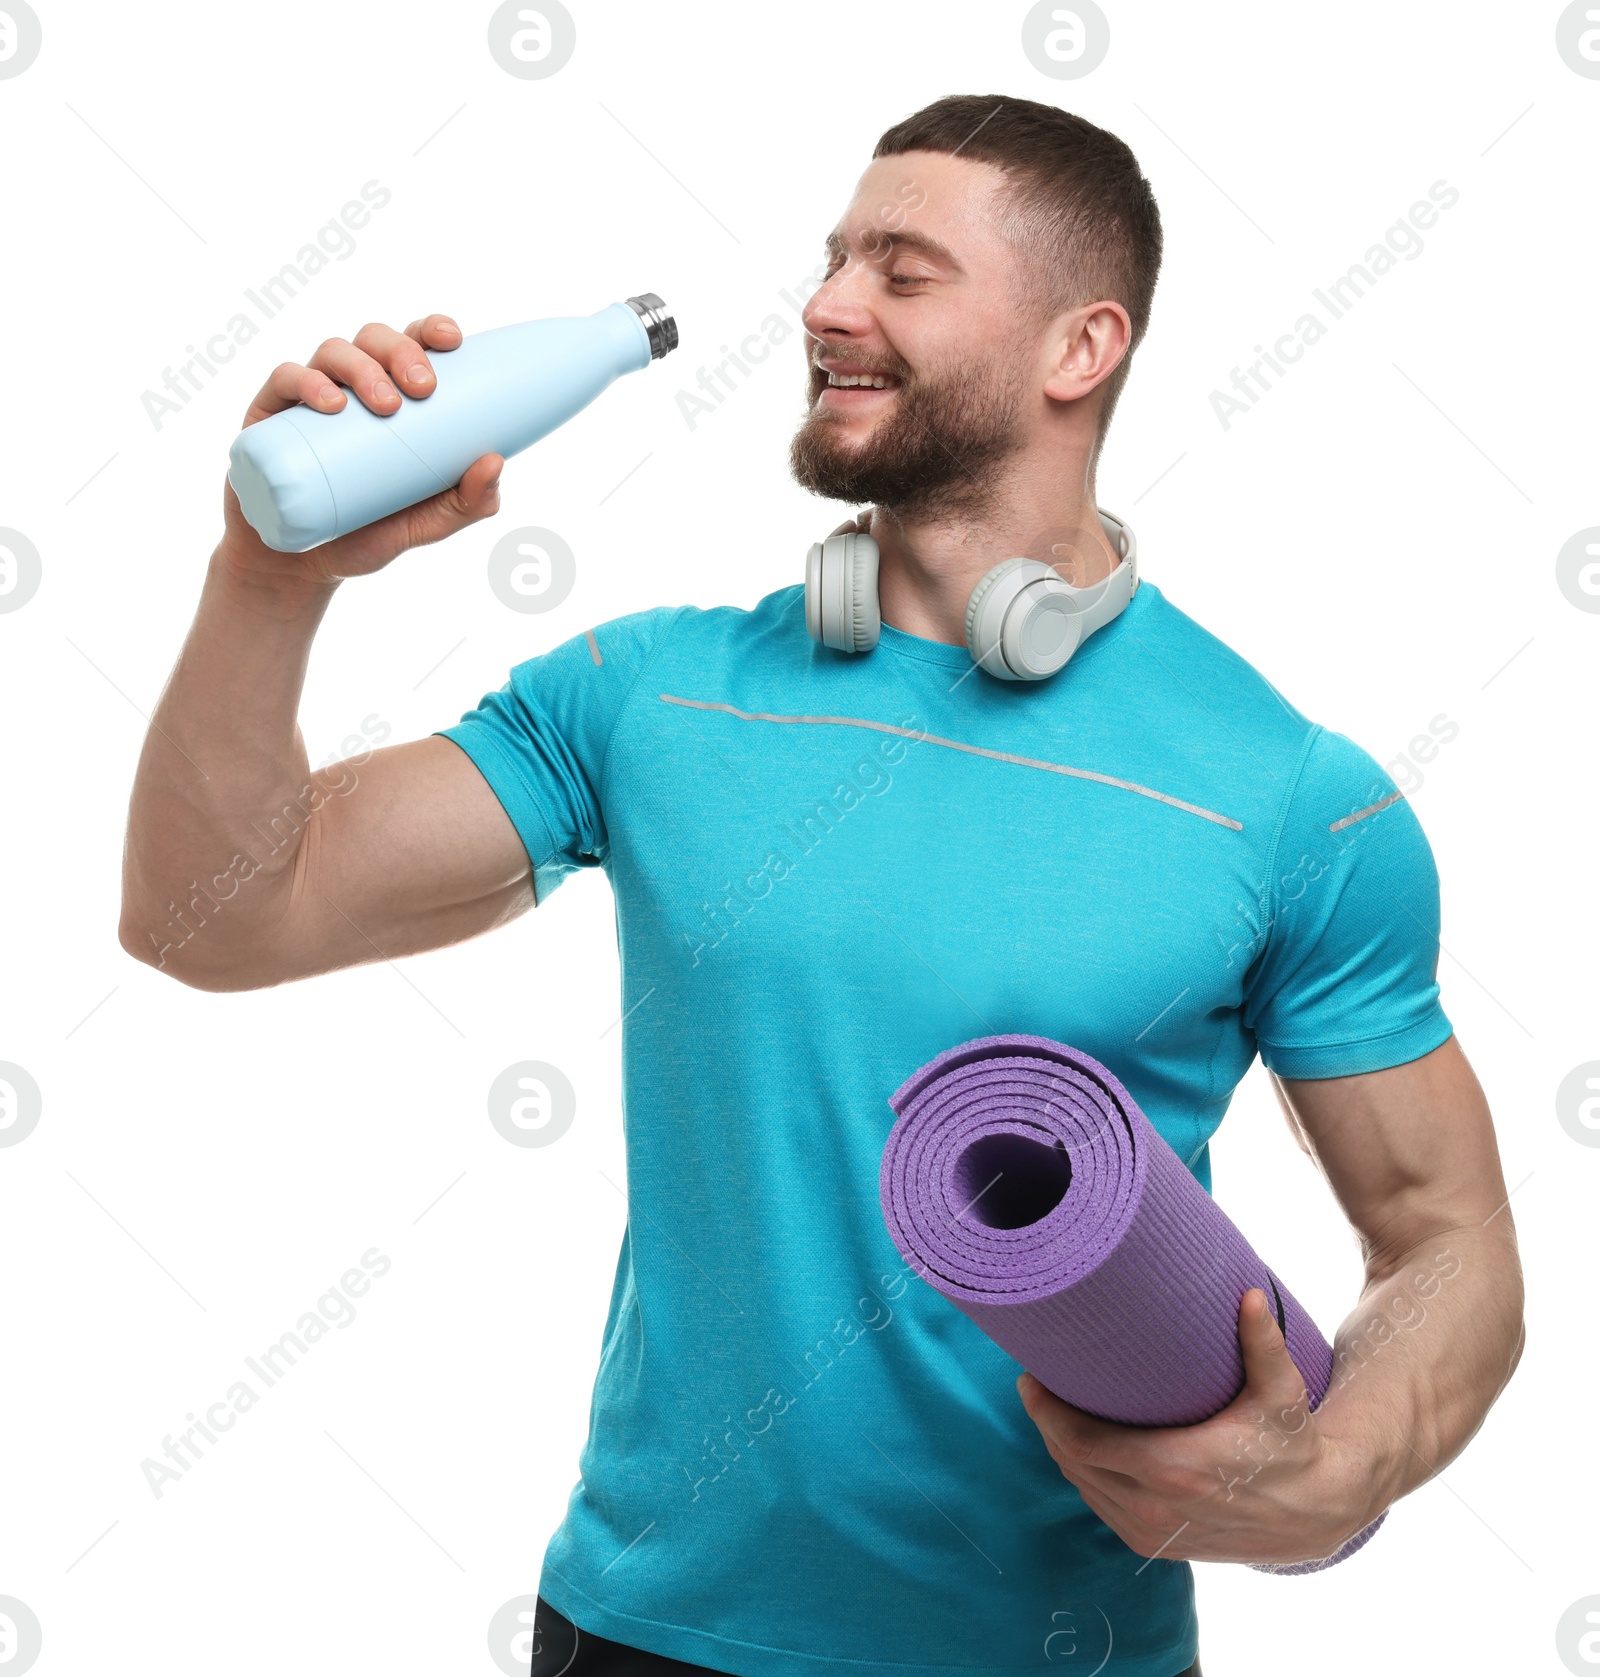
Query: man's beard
(933, 454)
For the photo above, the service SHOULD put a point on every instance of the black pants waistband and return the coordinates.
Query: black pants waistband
(562, 1650)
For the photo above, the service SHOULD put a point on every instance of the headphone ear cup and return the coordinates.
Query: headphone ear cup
(1022, 621)
(985, 587)
(842, 592)
(865, 622)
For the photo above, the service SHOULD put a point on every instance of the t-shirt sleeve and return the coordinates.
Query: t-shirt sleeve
(541, 741)
(1347, 978)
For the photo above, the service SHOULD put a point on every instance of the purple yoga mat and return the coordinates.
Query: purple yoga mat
(1023, 1182)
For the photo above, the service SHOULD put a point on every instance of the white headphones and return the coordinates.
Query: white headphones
(1023, 621)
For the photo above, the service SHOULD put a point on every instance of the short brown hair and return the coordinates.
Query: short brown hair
(1082, 212)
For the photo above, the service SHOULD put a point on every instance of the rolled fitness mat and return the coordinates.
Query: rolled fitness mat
(1023, 1182)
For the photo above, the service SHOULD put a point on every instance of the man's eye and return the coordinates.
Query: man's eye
(908, 279)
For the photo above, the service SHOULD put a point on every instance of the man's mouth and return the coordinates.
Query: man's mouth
(850, 381)
(849, 387)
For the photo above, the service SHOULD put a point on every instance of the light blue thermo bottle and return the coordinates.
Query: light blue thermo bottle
(303, 477)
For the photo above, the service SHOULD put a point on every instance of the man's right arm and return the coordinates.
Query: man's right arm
(243, 866)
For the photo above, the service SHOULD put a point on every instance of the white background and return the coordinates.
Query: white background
(1378, 535)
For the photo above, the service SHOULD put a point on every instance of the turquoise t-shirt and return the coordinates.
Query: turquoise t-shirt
(801, 1458)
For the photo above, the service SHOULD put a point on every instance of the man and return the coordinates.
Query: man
(828, 867)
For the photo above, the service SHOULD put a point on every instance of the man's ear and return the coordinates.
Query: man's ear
(1090, 342)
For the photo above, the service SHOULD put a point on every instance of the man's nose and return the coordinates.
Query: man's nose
(837, 306)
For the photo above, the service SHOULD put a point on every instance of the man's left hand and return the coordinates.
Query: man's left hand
(1262, 1480)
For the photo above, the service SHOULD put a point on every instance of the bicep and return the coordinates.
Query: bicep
(1409, 1151)
(410, 851)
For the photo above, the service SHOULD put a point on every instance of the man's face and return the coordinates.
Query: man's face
(921, 304)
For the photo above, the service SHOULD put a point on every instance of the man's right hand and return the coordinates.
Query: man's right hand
(377, 365)
(243, 865)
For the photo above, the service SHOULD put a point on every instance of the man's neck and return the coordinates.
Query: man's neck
(928, 566)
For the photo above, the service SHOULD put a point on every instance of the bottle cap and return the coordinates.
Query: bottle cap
(659, 326)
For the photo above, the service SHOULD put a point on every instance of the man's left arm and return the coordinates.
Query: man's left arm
(1410, 1154)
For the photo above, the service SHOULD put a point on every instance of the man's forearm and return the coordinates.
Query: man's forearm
(1417, 1364)
(221, 794)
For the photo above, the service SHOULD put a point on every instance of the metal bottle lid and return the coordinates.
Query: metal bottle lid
(659, 326)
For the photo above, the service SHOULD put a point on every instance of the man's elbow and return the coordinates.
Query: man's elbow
(191, 963)
(1517, 1348)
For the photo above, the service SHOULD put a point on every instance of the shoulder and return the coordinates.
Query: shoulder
(704, 625)
(610, 656)
(1185, 698)
(1214, 674)
(733, 626)
(1231, 721)
(1330, 769)
(1341, 777)
(732, 640)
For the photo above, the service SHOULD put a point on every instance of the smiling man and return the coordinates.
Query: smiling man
(845, 832)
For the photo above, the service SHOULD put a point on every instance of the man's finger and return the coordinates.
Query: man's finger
(1146, 1528)
(476, 496)
(289, 384)
(365, 374)
(1271, 1380)
(399, 352)
(435, 331)
(1083, 1439)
